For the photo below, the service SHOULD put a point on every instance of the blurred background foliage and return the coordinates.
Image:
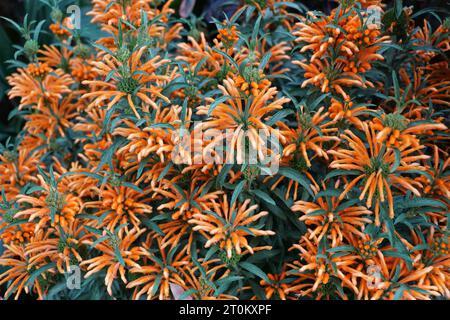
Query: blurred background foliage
(36, 10)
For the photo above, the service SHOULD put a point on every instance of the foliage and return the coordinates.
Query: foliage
(98, 177)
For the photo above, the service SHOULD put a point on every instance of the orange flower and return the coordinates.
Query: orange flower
(343, 46)
(228, 35)
(158, 272)
(37, 92)
(201, 277)
(310, 134)
(52, 204)
(395, 130)
(17, 169)
(130, 79)
(278, 285)
(315, 273)
(19, 267)
(120, 205)
(62, 29)
(439, 185)
(116, 255)
(55, 247)
(53, 118)
(331, 218)
(377, 168)
(347, 111)
(110, 15)
(153, 140)
(241, 122)
(228, 224)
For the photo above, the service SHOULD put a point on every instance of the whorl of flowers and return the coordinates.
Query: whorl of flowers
(98, 178)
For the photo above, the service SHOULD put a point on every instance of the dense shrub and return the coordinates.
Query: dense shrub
(101, 177)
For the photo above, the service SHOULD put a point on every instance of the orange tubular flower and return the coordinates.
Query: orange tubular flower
(228, 35)
(439, 186)
(355, 49)
(156, 157)
(228, 225)
(425, 89)
(377, 168)
(158, 272)
(58, 30)
(52, 118)
(307, 136)
(347, 111)
(328, 219)
(433, 264)
(47, 86)
(278, 54)
(54, 56)
(17, 234)
(131, 78)
(150, 141)
(277, 285)
(16, 258)
(322, 75)
(438, 39)
(201, 277)
(395, 130)
(51, 246)
(17, 169)
(194, 51)
(109, 15)
(314, 272)
(121, 205)
(52, 204)
(116, 255)
(241, 121)
(183, 204)
(190, 201)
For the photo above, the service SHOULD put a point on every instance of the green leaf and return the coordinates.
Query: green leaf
(341, 248)
(165, 170)
(186, 294)
(230, 59)
(256, 29)
(265, 60)
(279, 116)
(398, 158)
(132, 186)
(228, 280)
(264, 196)
(396, 85)
(237, 191)
(223, 174)
(399, 293)
(404, 256)
(318, 212)
(337, 173)
(296, 176)
(420, 202)
(254, 270)
(217, 102)
(328, 193)
(119, 256)
(38, 272)
(153, 226)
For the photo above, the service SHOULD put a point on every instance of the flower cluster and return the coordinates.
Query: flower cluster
(100, 179)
